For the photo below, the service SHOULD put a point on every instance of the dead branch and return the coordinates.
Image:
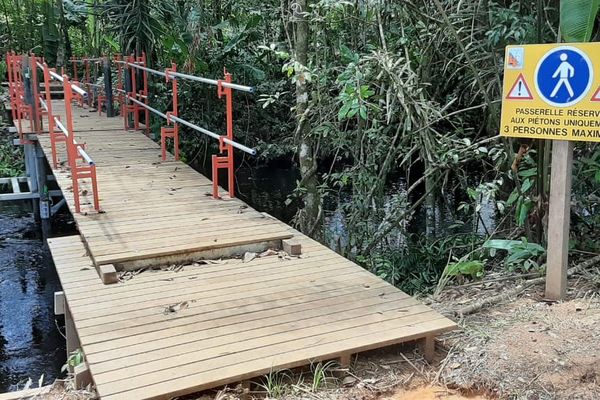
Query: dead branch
(478, 305)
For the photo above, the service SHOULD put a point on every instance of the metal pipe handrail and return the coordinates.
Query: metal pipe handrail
(154, 110)
(136, 65)
(64, 130)
(213, 135)
(214, 82)
(80, 150)
(59, 78)
(83, 60)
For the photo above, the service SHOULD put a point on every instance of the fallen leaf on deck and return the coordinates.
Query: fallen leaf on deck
(268, 253)
(249, 256)
(208, 262)
(176, 307)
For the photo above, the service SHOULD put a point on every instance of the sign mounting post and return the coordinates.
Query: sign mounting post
(552, 91)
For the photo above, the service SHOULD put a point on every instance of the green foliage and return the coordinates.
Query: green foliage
(577, 19)
(11, 160)
(75, 358)
(275, 383)
(419, 266)
(321, 374)
(509, 25)
(585, 213)
(471, 268)
(522, 255)
(50, 35)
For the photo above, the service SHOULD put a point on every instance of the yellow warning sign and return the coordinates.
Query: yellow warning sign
(552, 91)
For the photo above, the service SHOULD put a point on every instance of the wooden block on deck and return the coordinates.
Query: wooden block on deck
(59, 303)
(292, 247)
(108, 274)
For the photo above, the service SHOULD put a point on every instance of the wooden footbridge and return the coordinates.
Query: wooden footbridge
(187, 311)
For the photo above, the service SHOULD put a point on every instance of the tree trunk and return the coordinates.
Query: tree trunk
(61, 51)
(310, 215)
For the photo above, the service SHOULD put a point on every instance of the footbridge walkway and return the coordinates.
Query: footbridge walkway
(173, 285)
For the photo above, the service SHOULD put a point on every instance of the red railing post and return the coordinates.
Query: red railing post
(71, 149)
(225, 161)
(142, 61)
(51, 123)
(74, 154)
(11, 84)
(167, 131)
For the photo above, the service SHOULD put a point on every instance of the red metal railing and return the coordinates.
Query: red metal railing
(39, 106)
(136, 100)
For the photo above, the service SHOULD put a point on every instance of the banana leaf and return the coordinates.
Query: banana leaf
(577, 19)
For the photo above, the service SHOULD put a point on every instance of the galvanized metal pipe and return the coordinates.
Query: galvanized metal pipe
(214, 82)
(153, 71)
(81, 151)
(213, 135)
(60, 78)
(43, 103)
(154, 110)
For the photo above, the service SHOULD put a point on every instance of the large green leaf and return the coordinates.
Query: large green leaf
(577, 19)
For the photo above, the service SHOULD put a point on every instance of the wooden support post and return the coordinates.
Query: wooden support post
(83, 376)
(128, 88)
(345, 360)
(108, 92)
(70, 332)
(29, 91)
(559, 221)
(44, 200)
(31, 169)
(428, 348)
(59, 303)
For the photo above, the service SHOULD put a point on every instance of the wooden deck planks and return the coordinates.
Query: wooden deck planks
(154, 212)
(232, 320)
(242, 319)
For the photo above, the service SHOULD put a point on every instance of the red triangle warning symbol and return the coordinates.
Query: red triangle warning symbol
(520, 90)
(596, 96)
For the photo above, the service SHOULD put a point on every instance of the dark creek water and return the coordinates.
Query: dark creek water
(30, 343)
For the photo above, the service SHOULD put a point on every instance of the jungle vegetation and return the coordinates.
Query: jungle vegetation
(360, 94)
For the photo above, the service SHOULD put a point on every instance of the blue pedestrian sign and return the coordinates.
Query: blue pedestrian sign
(564, 76)
(552, 91)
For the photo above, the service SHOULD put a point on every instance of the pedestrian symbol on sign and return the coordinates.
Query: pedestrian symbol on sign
(564, 76)
(566, 72)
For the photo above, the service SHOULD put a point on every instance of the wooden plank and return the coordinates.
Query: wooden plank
(159, 304)
(258, 331)
(327, 302)
(189, 377)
